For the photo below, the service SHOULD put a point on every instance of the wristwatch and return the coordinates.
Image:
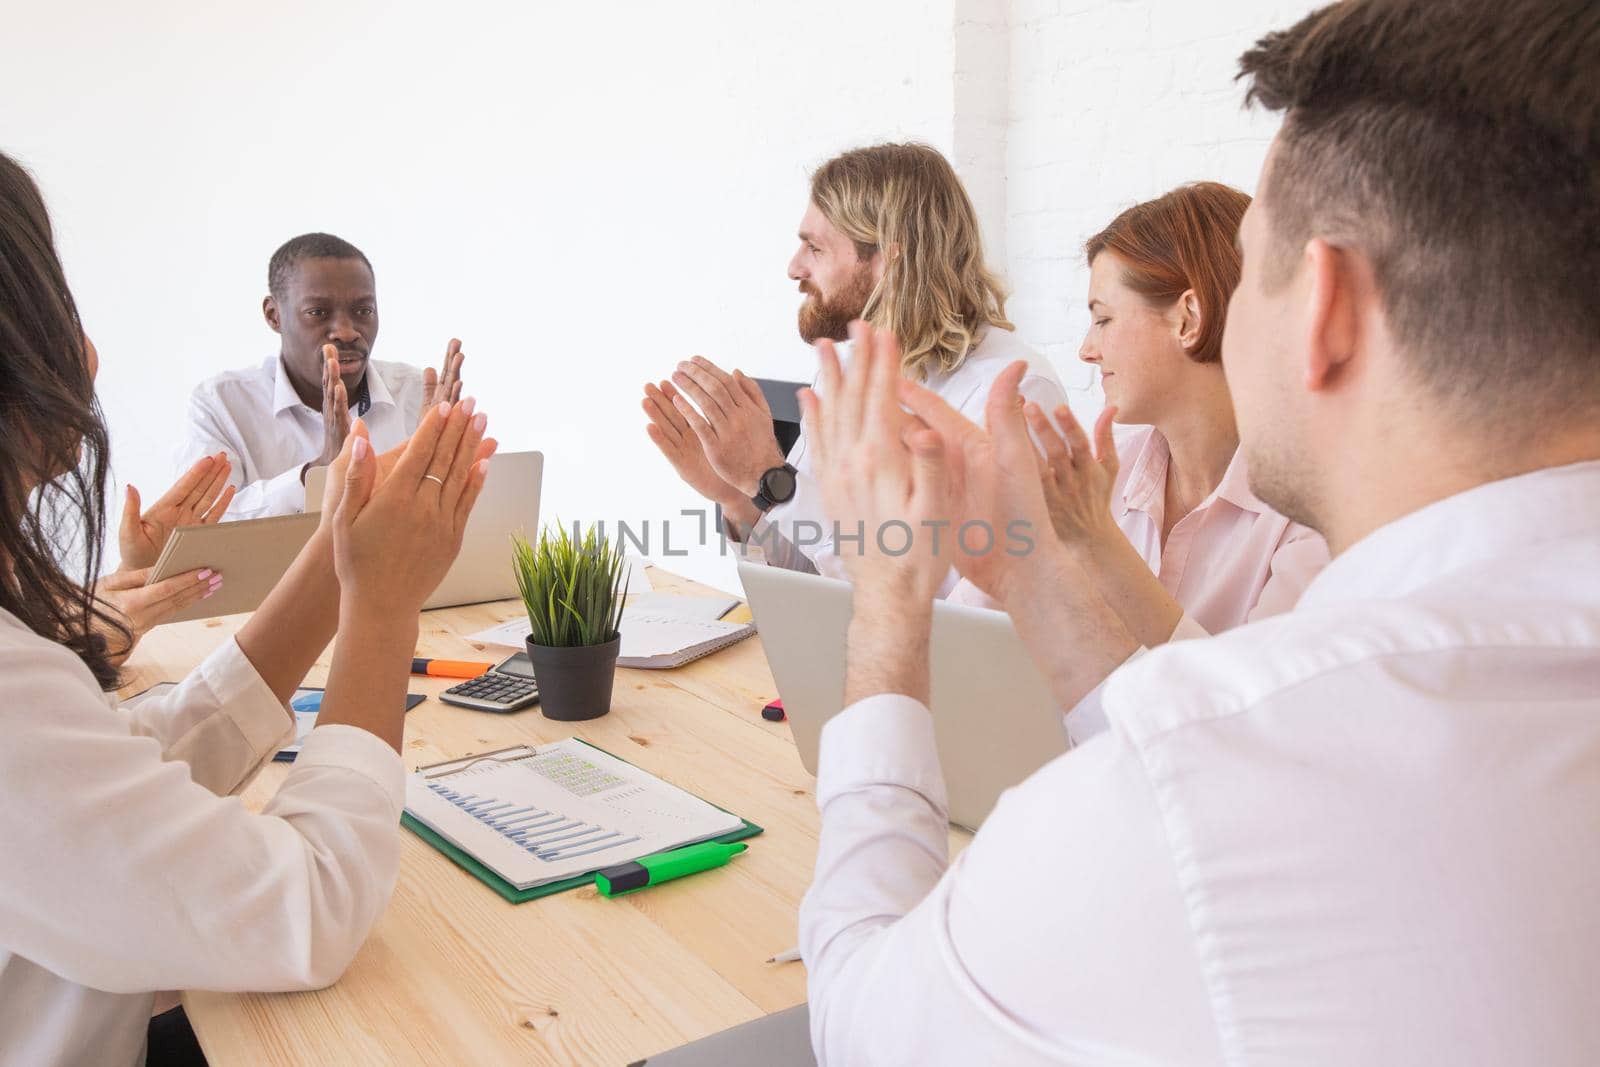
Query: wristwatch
(776, 487)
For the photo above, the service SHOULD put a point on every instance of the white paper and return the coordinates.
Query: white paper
(651, 639)
(637, 581)
(563, 810)
(511, 634)
(687, 607)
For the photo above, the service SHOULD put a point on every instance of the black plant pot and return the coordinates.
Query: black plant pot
(574, 683)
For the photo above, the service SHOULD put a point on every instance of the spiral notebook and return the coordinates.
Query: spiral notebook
(538, 816)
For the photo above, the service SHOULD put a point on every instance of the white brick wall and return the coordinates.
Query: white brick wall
(1112, 102)
(980, 111)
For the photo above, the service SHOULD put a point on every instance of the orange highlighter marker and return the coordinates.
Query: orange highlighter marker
(449, 668)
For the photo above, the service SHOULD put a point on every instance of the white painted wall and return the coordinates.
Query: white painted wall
(1113, 103)
(584, 194)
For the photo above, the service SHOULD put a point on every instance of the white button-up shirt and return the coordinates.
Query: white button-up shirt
(126, 867)
(798, 534)
(1364, 832)
(269, 433)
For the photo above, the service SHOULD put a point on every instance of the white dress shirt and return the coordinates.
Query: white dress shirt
(1363, 832)
(269, 433)
(798, 535)
(127, 867)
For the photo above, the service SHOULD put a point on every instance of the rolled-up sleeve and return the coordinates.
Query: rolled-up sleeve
(222, 720)
(132, 873)
(798, 535)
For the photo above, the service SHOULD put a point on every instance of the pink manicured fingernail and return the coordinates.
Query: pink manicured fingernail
(360, 448)
(444, 409)
(205, 574)
(483, 467)
(209, 593)
(469, 405)
(479, 422)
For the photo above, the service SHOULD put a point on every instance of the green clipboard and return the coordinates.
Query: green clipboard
(510, 892)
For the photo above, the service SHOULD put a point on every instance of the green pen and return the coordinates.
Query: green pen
(664, 866)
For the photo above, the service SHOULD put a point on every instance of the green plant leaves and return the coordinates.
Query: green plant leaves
(571, 585)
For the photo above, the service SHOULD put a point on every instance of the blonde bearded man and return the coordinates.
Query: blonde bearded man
(889, 236)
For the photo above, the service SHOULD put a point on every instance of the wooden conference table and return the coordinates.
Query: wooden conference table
(452, 974)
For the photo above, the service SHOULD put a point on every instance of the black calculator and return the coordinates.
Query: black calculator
(508, 686)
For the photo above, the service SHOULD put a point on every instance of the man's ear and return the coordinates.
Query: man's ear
(1332, 295)
(1189, 319)
(269, 309)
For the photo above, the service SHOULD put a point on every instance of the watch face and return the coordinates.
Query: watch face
(778, 484)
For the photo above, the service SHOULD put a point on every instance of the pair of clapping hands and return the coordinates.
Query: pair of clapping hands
(448, 450)
(438, 386)
(929, 490)
(716, 430)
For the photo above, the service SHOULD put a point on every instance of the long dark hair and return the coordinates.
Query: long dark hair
(56, 448)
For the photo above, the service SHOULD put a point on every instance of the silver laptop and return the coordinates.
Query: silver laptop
(508, 504)
(994, 718)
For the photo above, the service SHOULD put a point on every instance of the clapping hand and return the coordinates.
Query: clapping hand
(395, 535)
(732, 423)
(335, 410)
(144, 607)
(200, 497)
(882, 472)
(995, 475)
(444, 385)
(672, 434)
(1076, 481)
(337, 470)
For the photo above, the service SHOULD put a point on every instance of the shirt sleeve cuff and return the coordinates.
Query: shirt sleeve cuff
(1187, 629)
(883, 740)
(351, 748)
(1089, 717)
(245, 698)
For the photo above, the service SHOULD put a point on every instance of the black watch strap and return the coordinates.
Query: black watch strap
(777, 486)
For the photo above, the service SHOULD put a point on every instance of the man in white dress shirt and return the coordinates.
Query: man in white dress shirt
(293, 412)
(890, 236)
(1366, 831)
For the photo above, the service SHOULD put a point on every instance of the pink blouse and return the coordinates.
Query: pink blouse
(1229, 561)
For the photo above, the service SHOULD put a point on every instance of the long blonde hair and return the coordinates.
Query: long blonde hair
(937, 293)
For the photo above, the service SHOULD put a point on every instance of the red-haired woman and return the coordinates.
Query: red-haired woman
(1164, 518)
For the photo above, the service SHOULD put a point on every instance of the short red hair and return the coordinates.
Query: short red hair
(1187, 239)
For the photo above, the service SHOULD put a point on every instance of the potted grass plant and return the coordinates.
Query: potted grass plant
(572, 587)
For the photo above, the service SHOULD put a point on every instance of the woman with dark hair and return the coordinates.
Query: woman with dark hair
(1162, 515)
(128, 866)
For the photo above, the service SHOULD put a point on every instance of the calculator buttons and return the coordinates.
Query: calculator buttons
(493, 692)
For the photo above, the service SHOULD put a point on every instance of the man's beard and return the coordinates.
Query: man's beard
(830, 317)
